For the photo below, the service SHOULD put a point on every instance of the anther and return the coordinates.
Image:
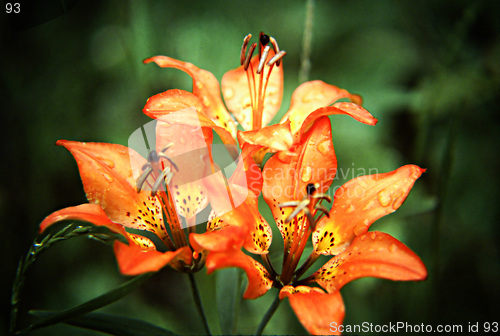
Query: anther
(311, 188)
(165, 176)
(244, 48)
(246, 63)
(264, 39)
(263, 59)
(140, 181)
(276, 48)
(277, 58)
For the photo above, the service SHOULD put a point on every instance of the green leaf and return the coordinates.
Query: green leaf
(228, 295)
(207, 290)
(94, 304)
(112, 324)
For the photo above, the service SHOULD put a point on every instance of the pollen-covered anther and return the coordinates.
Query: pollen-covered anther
(263, 59)
(248, 58)
(165, 176)
(244, 48)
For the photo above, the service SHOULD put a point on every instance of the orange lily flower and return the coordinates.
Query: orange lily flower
(294, 189)
(164, 192)
(253, 94)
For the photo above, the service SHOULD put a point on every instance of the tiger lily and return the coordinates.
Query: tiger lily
(131, 205)
(294, 187)
(253, 93)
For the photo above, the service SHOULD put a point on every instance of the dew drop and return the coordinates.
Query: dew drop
(384, 198)
(109, 163)
(359, 230)
(199, 85)
(206, 102)
(228, 93)
(107, 177)
(306, 174)
(393, 248)
(350, 209)
(324, 147)
(182, 140)
(373, 235)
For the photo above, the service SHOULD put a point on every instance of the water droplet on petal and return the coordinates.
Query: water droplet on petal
(384, 198)
(182, 140)
(306, 174)
(393, 248)
(373, 235)
(324, 146)
(360, 229)
(107, 177)
(199, 85)
(350, 209)
(228, 93)
(206, 101)
(109, 163)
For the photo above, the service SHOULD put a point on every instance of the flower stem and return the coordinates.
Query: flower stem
(305, 64)
(197, 300)
(270, 312)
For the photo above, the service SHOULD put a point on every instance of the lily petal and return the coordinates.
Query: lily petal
(133, 260)
(205, 86)
(315, 162)
(374, 254)
(359, 203)
(235, 89)
(108, 181)
(91, 213)
(315, 309)
(259, 280)
(311, 96)
(276, 137)
(163, 105)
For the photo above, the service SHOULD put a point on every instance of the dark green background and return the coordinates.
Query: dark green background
(428, 70)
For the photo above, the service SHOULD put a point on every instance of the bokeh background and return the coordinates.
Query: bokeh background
(428, 70)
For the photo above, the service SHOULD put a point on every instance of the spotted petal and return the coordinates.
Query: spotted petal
(205, 86)
(235, 88)
(315, 162)
(359, 203)
(315, 309)
(373, 254)
(108, 181)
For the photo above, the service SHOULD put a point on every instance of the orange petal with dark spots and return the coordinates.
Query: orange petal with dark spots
(373, 254)
(316, 310)
(108, 181)
(91, 213)
(237, 95)
(314, 162)
(311, 96)
(259, 280)
(205, 87)
(133, 259)
(359, 203)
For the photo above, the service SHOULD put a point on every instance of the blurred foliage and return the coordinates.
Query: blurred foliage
(428, 70)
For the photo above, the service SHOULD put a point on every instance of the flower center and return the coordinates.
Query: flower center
(258, 77)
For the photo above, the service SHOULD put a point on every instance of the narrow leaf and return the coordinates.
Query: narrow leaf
(112, 324)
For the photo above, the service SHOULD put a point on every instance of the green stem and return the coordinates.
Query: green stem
(270, 312)
(197, 300)
(305, 65)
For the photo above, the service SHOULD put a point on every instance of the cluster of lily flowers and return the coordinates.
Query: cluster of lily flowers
(167, 195)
